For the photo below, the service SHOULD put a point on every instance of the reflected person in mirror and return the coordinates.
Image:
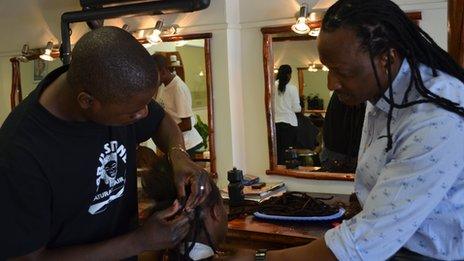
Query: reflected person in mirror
(286, 105)
(410, 174)
(67, 158)
(175, 97)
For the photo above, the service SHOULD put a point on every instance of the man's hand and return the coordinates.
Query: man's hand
(187, 172)
(159, 232)
(168, 138)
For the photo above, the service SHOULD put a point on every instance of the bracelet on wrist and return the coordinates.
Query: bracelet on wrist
(178, 148)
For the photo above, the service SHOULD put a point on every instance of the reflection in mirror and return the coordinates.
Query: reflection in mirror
(328, 132)
(184, 93)
(307, 156)
(339, 126)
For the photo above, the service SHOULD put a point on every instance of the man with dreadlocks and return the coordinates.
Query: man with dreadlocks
(410, 174)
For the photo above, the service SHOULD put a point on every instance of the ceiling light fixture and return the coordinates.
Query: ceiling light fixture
(315, 32)
(47, 53)
(312, 68)
(300, 27)
(24, 54)
(155, 38)
(170, 30)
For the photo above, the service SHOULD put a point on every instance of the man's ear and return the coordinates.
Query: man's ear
(393, 54)
(85, 100)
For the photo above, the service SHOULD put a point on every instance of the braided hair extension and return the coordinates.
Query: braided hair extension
(297, 204)
(158, 184)
(198, 225)
(283, 76)
(381, 26)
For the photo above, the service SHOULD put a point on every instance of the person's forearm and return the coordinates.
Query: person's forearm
(168, 135)
(113, 249)
(185, 124)
(316, 250)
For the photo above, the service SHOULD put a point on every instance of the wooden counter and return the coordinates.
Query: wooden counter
(249, 232)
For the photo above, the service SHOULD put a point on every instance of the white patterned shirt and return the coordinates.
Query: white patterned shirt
(412, 195)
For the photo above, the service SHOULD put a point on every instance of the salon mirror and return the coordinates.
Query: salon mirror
(314, 160)
(190, 58)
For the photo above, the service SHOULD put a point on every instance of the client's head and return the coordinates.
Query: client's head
(159, 185)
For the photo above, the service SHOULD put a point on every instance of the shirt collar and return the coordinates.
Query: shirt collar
(399, 86)
(172, 82)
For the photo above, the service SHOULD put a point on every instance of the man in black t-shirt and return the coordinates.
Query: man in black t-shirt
(67, 158)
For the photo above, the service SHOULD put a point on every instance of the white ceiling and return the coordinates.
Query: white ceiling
(36, 22)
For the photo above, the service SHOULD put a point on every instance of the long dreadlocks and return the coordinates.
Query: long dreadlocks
(381, 25)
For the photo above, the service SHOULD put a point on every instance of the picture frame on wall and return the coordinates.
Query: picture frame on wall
(40, 69)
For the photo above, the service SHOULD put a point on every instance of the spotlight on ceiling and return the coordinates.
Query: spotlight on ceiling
(300, 27)
(155, 38)
(47, 53)
(315, 32)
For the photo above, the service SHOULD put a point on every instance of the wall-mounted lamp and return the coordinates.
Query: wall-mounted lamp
(315, 32)
(169, 30)
(155, 38)
(312, 68)
(24, 54)
(300, 27)
(47, 53)
(276, 70)
(315, 67)
(153, 35)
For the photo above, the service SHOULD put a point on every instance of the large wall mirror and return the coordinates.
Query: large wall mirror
(281, 46)
(190, 57)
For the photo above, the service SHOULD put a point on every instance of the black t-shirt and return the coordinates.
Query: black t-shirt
(66, 183)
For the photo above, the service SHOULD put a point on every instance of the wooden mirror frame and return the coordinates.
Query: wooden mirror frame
(16, 93)
(268, 64)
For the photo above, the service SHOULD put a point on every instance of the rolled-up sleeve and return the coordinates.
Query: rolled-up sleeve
(426, 160)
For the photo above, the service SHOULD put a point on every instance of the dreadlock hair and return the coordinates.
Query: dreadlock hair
(283, 76)
(159, 185)
(381, 25)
